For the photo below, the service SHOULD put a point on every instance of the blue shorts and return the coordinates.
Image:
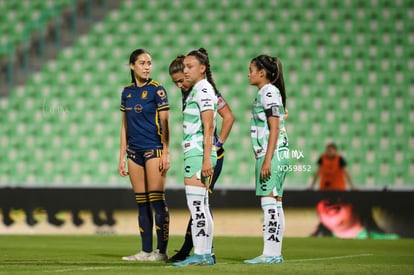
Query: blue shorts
(141, 157)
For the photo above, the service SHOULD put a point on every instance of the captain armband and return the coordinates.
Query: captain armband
(273, 111)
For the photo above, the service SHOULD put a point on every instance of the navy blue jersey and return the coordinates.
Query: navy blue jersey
(142, 106)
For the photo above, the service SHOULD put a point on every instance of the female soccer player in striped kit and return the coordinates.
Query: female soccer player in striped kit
(199, 114)
(145, 138)
(270, 144)
(176, 71)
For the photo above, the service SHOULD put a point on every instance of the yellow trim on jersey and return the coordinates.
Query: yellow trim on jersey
(156, 123)
(163, 107)
(129, 84)
(155, 83)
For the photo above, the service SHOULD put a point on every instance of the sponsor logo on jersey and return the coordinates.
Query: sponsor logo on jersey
(148, 154)
(161, 94)
(138, 108)
(144, 94)
(206, 102)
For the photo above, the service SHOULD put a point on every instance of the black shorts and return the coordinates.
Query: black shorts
(141, 157)
(217, 168)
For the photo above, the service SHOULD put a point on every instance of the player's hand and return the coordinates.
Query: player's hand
(266, 172)
(286, 114)
(207, 169)
(121, 169)
(164, 163)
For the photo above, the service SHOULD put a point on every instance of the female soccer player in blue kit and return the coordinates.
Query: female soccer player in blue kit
(270, 144)
(145, 138)
(176, 71)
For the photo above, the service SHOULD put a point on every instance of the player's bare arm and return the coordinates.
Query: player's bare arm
(273, 123)
(122, 151)
(165, 140)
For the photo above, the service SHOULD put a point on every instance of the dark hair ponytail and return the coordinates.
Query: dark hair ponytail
(177, 65)
(132, 58)
(274, 72)
(202, 57)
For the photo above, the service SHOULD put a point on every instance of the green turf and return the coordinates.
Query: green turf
(101, 254)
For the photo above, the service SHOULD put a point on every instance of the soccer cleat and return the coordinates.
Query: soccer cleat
(196, 260)
(265, 260)
(178, 257)
(156, 256)
(140, 257)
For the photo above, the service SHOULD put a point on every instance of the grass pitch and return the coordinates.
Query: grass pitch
(101, 254)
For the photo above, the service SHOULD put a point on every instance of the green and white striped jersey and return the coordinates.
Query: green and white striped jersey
(268, 98)
(201, 98)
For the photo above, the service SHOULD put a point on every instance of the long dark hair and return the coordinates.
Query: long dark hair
(202, 57)
(132, 58)
(274, 72)
(177, 65)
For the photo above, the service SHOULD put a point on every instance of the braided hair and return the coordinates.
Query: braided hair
(274, 72)
(202, 57)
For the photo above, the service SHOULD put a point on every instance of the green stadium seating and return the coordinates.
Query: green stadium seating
(347, 69)
(20, 18)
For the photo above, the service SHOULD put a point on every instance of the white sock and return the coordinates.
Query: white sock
(196, 203)
(281, 227)
(270, 224)
(210, 226)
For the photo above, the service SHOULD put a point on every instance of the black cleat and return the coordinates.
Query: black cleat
(178, 257)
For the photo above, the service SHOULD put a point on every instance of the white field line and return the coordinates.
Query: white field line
(329, 258)
(287, 261)
(77, 269)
